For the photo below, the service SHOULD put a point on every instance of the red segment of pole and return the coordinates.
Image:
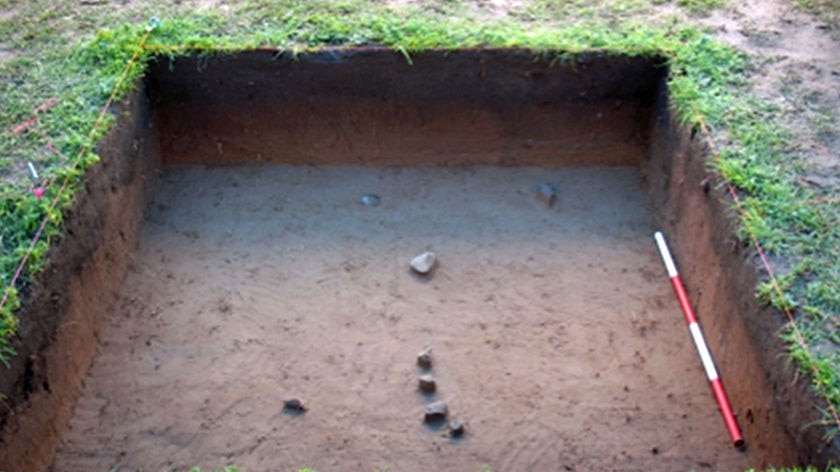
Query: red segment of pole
(682, 297)
(700, 343)
(726, 412)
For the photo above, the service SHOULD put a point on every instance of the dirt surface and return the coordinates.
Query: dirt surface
(554, 333)
(798, 71)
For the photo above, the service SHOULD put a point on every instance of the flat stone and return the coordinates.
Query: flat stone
(424, 263)
(427, 384)
(456, 428)
(435, 412)
(424, 359)
(370, 200)
(547, 194)
(294, 405)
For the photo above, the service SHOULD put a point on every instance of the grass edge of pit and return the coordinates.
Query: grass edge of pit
(706, 86)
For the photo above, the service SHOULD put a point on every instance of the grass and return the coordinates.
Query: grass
(584, 9)
(701, 6)
(78, 54)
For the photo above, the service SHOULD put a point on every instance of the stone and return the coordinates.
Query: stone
(456, 428)
(294, 405)
(427, 384)
(424, 359)
(435, 412)
(547, 194)
(424, 263)
(370, 200)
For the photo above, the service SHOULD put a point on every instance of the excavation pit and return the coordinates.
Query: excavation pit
(260, 274)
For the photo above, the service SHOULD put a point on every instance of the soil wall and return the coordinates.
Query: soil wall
(370, 106)
(776, 408)
(73, 297)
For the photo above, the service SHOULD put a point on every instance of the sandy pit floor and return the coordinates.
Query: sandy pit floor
(554, 333)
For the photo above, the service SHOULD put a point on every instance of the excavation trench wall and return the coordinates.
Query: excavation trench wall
(72, 298)
(776, 406)
(371, 107)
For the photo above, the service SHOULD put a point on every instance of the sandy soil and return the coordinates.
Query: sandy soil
(554, 332)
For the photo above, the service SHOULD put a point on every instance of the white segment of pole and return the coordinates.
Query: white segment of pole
(666, 254)
(703, 350)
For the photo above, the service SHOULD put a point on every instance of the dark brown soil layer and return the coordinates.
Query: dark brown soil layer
(372, 107)
(554, 333)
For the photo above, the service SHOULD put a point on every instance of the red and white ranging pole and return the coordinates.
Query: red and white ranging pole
(700, 342)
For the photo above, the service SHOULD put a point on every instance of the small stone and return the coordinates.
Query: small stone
(435, 412)
(547, 194)
(424, 263)
(424, 359)
(370, 200)
(456, 428)
(294, 405)
(427, 384)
